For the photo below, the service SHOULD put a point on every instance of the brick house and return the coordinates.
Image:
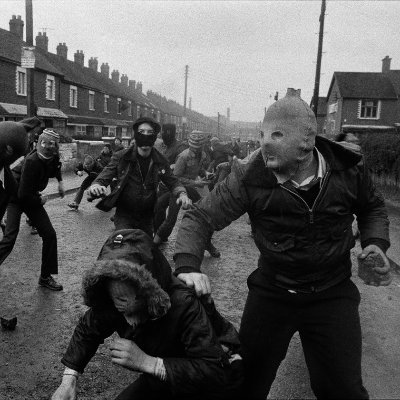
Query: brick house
(360, 102)
(85, 102)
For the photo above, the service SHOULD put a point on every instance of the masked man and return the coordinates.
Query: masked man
(300, 192)
(138, 171)
(32, 177)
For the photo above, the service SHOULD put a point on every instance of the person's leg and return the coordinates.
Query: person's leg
(11, 230)
(167, 226)
(146, 388)
(41, 220)
(160, 210)
(331, 337)
(268, 323)
(79, 194)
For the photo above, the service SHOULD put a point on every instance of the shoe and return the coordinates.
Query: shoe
(34, 231)
(50, 283)
(73, 205)
(214, 252)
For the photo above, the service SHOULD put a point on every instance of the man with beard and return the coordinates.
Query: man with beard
(300, 192)
(138, 171)
(32, 178)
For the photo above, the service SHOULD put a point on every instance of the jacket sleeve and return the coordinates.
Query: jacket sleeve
(372, 217)
(179, 171)
(224, 204)
(93, 327)
(171, 181)
(28, 190)
(205, 363)
(109, 172)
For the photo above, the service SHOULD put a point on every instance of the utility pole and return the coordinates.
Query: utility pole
(30, 72)
(218, 130)
(319, 57)
(184, 102)
(190, 103)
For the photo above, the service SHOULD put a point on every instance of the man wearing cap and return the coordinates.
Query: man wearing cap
(300, 192)
(190, 165)
(138, 170)
(32, 177)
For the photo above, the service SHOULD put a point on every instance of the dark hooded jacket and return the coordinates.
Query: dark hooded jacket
(124, 165)
(301, 247)
(181, 333)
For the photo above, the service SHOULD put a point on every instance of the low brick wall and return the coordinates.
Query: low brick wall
(72, 153)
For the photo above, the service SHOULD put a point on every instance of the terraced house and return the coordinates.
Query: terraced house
(83, 102)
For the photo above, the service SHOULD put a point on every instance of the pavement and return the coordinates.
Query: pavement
(72, 182)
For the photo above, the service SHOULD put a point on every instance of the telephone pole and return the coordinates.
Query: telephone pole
(30, 72)
(319, 57)
(218, 130)
(184, 102)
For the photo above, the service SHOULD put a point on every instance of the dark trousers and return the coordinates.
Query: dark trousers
(146, 388)
(124, 219)
(84, 185)
(160, 210)
(329, 326)
(173, 210)
(41, 221)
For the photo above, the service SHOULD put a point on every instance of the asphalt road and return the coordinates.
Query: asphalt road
(30, 365)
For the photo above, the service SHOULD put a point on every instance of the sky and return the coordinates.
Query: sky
(239, 53)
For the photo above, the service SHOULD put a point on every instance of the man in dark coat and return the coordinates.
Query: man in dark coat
(300, 192)
(165, 332)
(32, 177)
(138, 171)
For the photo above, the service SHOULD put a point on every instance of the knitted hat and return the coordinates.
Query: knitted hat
(50, 134)
(197, 139)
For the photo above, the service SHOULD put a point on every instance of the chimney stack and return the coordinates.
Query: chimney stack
(42, 41)
(105, 69)
(62, 50)
(17, 26)
(115, 75)
(79, 57)
(93, 63)
(386, 65)
(139, 87)
(132, 84)
(124, 79)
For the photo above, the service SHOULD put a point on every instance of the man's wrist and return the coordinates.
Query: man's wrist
(149, 364)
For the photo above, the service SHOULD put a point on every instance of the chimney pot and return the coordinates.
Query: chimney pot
(93, 63)
(62, 50)
(79, 57)
(42, 41)
(115, 75)
(17, 26)
(386, 65)
(105, 69)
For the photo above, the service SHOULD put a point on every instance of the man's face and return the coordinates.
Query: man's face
(284, 147)
(106, 150)
(47, 147)
(145, 129)
(124, 297)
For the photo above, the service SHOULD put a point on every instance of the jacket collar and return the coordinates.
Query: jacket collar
(337, 158)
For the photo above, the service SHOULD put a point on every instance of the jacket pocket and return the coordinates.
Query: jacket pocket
(280, 245)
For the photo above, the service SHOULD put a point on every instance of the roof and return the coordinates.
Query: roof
(394, 76)
(10, 49)
(371, 85)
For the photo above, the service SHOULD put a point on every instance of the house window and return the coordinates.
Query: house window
(129, 109)
(21, 81)
(73, 96)
(138, 112)
(50, 87)
(332, 108)
(91, 100)
(112, 130)
(106, 101)
(119, 106)
(80, 130)
(369, 109)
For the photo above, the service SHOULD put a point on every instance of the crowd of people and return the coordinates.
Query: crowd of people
(301, 193)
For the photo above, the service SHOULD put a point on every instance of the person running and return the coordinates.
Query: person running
(32, 178)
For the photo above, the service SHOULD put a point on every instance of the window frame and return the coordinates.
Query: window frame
(91, 96)
(106, 103)
(52, 79)
(23, 72)
(119, 106)
(362, 106)
(129, 108)
(73, 100)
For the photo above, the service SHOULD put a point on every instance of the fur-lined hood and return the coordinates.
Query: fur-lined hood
(127, 255)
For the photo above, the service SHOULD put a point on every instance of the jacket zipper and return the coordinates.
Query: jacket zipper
(311, 210)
